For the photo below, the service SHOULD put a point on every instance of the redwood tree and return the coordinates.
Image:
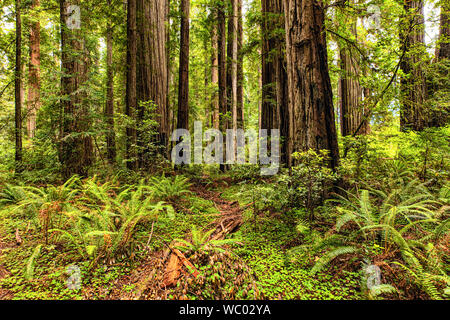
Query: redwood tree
(109, 107)
(413, 93)
(222, 81)
(131, 100)
(183, 83)
(309, 85)
(17, 88)
(77, 148)
(34, 102)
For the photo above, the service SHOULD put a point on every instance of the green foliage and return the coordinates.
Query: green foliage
(32, 262)
(311, 179)
(201, 242)
(169, 189)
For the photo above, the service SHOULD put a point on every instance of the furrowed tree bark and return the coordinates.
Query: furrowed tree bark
(269, 102)
(350, 90)
(413, 89)
(109, 107)
(17, 89)
(439, 116)
(310, 93)
(183, 83)
(231, 62)
(131, 99)
(34, 102)
(240, 70)
(151, 76)
(214, 78)
(222, 81)
(282, 115)
(77, 147)
(443, 47)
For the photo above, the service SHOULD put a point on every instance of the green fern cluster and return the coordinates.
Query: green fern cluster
(97, 219)
(169, 189)
(408, 220)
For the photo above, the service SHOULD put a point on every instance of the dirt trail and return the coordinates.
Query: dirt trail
(230, 218)
(151, 276)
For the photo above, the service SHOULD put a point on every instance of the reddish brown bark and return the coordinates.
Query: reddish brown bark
(34, 102)
(310, 93)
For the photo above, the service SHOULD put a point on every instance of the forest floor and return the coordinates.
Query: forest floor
(258, 257)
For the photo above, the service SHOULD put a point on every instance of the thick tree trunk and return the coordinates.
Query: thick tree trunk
(439, 115)
(131, 99)
(34, 102)
(310, 93)
(109, 107)
(77, 148)
(17, 89)
(240, 70)
(412, 112)
(151, 73)
(443, 47)
(183, 83)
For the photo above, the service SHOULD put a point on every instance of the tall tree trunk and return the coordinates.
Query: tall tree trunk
(34, 102)
(443, 47)
(214, 78)
(151, 73)
(350, 90)
(412, 112)
(17, 89)
(131, 99)
(439, 115)
(222, 81)
(183, 84)
(231, 80)
(310, 93)
(282, 116)
(77, 148)
(240, 70)
(269, 105)
(109, 107)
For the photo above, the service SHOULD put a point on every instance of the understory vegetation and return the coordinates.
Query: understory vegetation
(382, 233)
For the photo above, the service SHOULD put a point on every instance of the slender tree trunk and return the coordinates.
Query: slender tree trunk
(310, 93)
(230, 62)
(34, 102)
(109, 107)
(183, 84)
(214, 78)
(269, 102)
(240, 70)
(17, 89)
(77, 148)
(131, 99)
(350, 91)
(222, 81)
(282, 116)
(412, 112)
